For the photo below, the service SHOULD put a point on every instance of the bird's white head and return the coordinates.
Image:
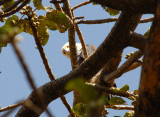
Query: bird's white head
(66, 51)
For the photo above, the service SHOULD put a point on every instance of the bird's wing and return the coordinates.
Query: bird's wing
(90, 49)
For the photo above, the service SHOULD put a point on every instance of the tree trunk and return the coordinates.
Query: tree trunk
(148, 104)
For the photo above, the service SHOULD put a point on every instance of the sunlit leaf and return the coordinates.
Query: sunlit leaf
(129, 114)
(38, 4)
(116, 101)
(80, 109)
(112, 12)
(125, 88)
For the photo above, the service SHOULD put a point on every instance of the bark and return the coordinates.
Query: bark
(149, 96)
(131, 6)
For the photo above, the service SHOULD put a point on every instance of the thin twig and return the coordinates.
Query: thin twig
(64, 100)
(146, 20)
(97, 21)
(11, 106)
(13, 6)
(109, 20)
(82, 4)
(113, 91)
(80, 17)
(8, 112)
(23, 63)
(79, 33)
(27, 72)
(123, 67)
(14, 10)
(119, 107)
(46, 64)
(41, 51)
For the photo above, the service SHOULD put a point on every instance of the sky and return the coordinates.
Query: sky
(13, 84)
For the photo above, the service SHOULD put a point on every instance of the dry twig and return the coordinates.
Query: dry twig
(123, 67)
(119, 107)
(82, 4)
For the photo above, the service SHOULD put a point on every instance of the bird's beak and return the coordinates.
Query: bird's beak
(64, 51)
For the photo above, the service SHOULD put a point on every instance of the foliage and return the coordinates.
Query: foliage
(53, 20)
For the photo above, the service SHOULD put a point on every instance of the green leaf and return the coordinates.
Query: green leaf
(125, 88)
(57, 19)
(80, 109)
(38, 4)
(12, 21)
(129, 114)
(147, 33)
(10, 29)
(87, 93)
(43, 35)
(116, 101)
(112, 12)
(8, 4)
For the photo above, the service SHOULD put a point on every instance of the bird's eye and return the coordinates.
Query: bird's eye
(67, 46)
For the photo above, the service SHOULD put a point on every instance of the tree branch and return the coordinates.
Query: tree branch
(14, 10)
(79, 33)
(111, 90)
(108, 20)
(46, 64)
(13, 6)
(41, 51)
(11, 106)
(119, 107)
(40, 105)
(82, 4)
(123, 67)
(115, 42)
(132, 6)
(137, 40)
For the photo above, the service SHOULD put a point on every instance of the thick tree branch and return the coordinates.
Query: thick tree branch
(137, 40)
(132, 6)
(115, 42)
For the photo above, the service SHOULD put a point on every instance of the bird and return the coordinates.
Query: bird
(80, 56)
